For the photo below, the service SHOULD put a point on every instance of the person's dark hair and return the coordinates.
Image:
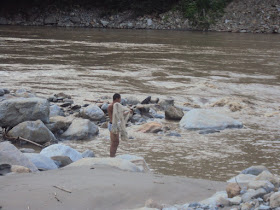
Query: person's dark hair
(116, 96)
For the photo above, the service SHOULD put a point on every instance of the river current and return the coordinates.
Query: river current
(194, 68)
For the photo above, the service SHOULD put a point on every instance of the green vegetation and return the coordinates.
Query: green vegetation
(202, 12)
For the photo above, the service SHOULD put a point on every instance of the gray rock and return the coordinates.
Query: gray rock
(242, 178)
(27, 150)
(61, 161)
(165, 103)
(15, 111)
(173, 113)
(42, 162)
(235, 200)
(208, 131)
(7, 91)
(92, 112)
(104, 23)
(3, 21)
(251, 194)
(261, 184)
(56, 111)
(88, 153)
(50, 20)
(149, 22)
(2, 92)
(24, 93)
(275, 200)
(104, 107)
(59, 123)
(263, 207)
(33, 130)
(254, 170)
(155, 114)
(61, 150)
(75, 20)
(5, 169)
(80, 129)
(131, 100)
(202, 119)
(173, 134)
(9, 154)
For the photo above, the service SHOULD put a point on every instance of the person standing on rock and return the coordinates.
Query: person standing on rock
(118, 115)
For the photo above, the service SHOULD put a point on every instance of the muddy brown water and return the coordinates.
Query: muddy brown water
(192, 67)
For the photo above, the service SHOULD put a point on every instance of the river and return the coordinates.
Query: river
(197, 68)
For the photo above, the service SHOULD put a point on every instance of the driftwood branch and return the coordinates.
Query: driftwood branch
(62, 189)
(93, 101)
(55, 196)
(6, 136)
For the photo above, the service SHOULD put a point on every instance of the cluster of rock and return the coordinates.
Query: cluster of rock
(240, 16)
(59, 155)
(254, 188)
(250, 16)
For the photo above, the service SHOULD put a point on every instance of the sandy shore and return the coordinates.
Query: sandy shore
(99, 188)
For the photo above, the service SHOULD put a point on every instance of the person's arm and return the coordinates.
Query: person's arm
(110, 112)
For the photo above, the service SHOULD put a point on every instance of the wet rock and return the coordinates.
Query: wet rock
(92, 112)
(112, 162)
(61, 161)
(251, 194)
(165, 103)
(9, 154)
(174, 134)
(206, 119)
(15, 111)
(146, 100)
(254, 170)
(267, 176)
(61, 150)
(66, 104)
(173, 113)
(138, 161)
(2, 92)
(275, 200)
(5, 169)
(242, 178)
(80, 129)
(76, 107)
(7, 91)
(19, 169)
(151, 127)
(88, 153)
(59, 123)
(155, 114)
(61, 96)
(56, 111)
(33, 130)
(42, 162)
(27, 150)
(233, 190)
(261, 184)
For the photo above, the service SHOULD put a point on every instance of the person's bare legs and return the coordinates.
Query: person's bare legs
(114, 144)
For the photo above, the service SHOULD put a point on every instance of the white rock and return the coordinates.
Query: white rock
(61, 150)
(242, 178)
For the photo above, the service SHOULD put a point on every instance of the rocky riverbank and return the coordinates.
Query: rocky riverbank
(240, 16)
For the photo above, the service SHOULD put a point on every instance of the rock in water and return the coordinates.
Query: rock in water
(92, 112)
(151, 127)
(173, 113)
(80, 129)
(61, 150)
(202, 119)
(15, 111)
(9, 154)
(33, 130)
(42, 162)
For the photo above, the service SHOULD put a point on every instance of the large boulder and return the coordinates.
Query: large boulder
(131, 100)
(261, 184)
(251, 194)
(267, 176)
(9, 154)
(15, 111)
(61, 150)
(206, 119)
(92, 112)
(275, 200)
(42, 162)
(151, 127)
(173, 113)
(59, 123)
(33, 130)
(80, 129)
(112, 162)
